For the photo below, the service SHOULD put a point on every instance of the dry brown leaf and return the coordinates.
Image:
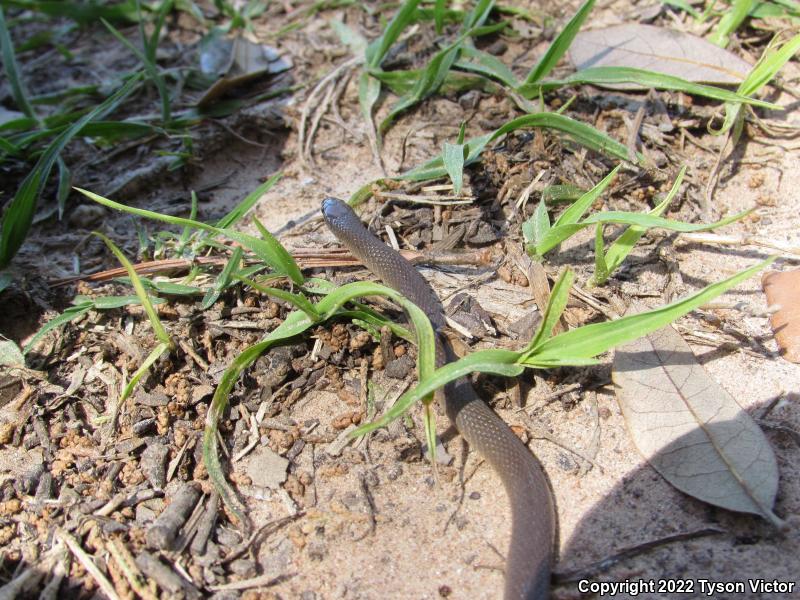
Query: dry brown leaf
(690, 429)
(239, 62)
(657, 49)
(781, 290)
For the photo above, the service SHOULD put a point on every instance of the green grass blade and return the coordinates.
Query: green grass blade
(295, 324)
(768, 65)
(646, 79)
(377, 50)
(241, 209)
(438, 15)
(369, 90)
(64, 185)
(18, 215)
(591, 340)
(152, 315)
(12, 70)
(453, 159)
(648, 220)
(143, 368)
(560, 45)
(297, 300)
(556, 235)
(150, 68)
(268, 250)
(223, 280)
(622, 246)
(478, 15)
(429, 81)
(535, 228)
(81, 12)
(601, 271)
(730, 21)
(70, 314)
(583, 134)
(187, 231)
(478, 61)
(493, 361)
(684, 6)
(555, 308)
(579, 207)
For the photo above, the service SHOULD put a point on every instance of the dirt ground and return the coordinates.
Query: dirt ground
(368, 519)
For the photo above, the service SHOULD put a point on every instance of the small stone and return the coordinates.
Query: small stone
(399, 368)
(154, 464)
(266, 468)
(243, 567)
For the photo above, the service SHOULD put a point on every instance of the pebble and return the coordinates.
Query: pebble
(153, 464)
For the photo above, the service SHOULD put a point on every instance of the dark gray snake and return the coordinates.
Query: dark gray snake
(533, 527)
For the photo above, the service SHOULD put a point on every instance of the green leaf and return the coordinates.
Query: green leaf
(18, 91)
(143, 368)
(369, 90)
(577, 210)
(152, 315)
(297, 300)
(623, 245)
(70, 314)
(684, 6)
(601, 270)
(64, 184)
(453, 158)
(591, 340)
(535, 228)
(580, 132)
(730, 21)
(269, 249)
(560, 45)
(377, 50)
(223, 280)
(493, 361)
(240, 210)
(487, 65)
(10, 354)
(429, 80)
(555, 308)
(18, 215)
(81, 12)
(646, 79)
(558, 234)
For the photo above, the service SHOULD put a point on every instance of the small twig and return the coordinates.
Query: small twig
(102, 582)
(246, 584)
(127, 564)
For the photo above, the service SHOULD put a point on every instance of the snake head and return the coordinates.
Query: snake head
(335, 210)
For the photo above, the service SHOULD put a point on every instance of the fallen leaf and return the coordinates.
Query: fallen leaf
(657, 49)
(238, 62)
(690, 429)
(781, 291)
(10, 354)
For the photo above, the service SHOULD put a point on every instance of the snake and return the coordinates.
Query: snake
(533, 520)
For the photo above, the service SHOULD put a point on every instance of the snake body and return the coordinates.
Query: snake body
(533, 526)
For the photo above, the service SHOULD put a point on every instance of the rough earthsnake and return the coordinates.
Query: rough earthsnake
(533, 523)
